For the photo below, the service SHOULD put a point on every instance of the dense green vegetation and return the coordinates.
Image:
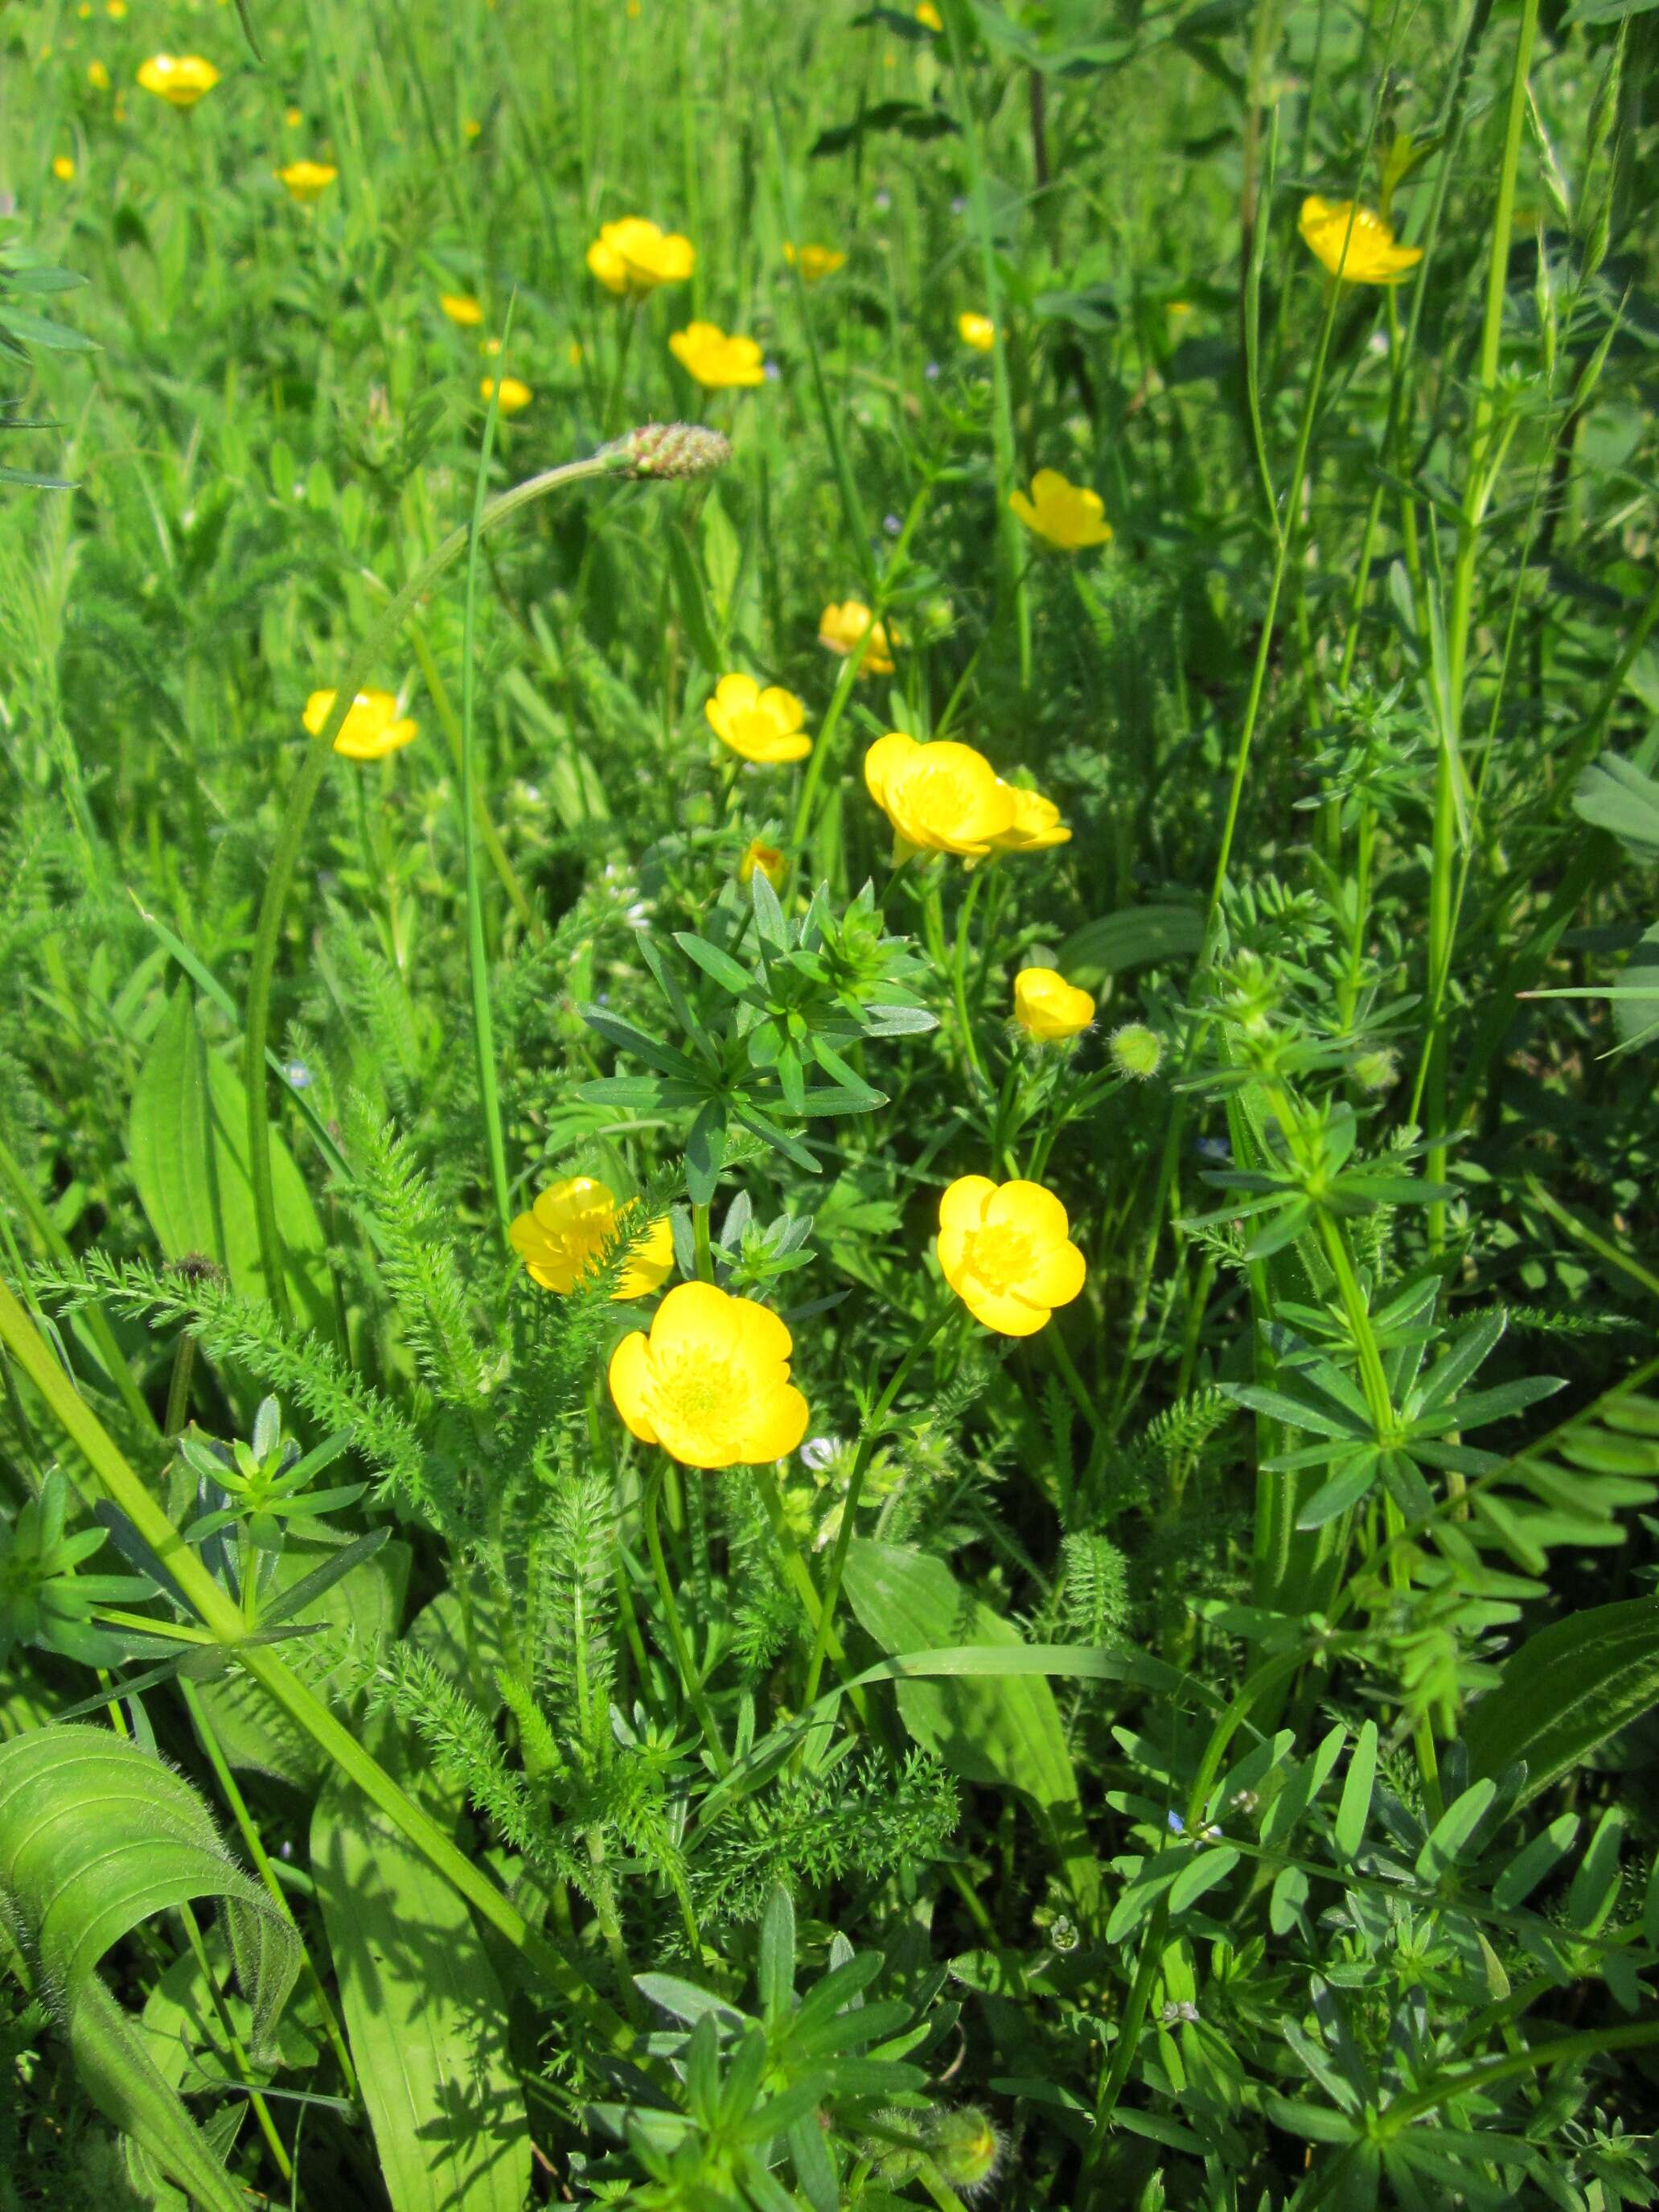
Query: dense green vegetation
(743, 1465)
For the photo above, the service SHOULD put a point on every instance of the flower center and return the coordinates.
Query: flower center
(1001, 1257)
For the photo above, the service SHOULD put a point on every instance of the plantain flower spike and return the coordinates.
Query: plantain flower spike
(672, 450)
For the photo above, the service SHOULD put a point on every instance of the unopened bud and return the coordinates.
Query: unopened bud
(966, 2148)
(1378, 1070)
(672, 450)
(1137, 1051)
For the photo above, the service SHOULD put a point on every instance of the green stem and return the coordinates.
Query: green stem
(297, 813)
(223, 1623)
(1477, 490)
(440, 698)
(689, 1682)
(477, 960)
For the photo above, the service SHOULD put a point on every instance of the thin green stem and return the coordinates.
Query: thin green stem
(690, 1681)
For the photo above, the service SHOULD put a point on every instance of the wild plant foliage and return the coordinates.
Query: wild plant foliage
(828, 990)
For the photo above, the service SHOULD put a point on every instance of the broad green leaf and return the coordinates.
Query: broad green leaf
(1354, 1808)
(1613, 793)
(1565, 1691)
(96, 1835)
(1533, 1860)
(1002, 1731)
(1130, 939)
(1205, 1872)
(187, 1147)
(424, 2014)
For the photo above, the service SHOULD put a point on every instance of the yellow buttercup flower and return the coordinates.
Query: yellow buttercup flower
(1037, 823)
(716, 360)
(306, 181)
(373, 726)
(462, 309)
(1007, 1252)
(976, 331)
(840, 628)
(1068, 515)
(710, 1383)
(1048, 1008)
(515, 397)
(768, 860)
(63, 168)
(928, 14)
(565, 1232)
(813, 261)
(943, 798)
(98, 76)
(294, 117)
(634, 256)
(758, 726)
(115, 10)
(1354, 243)
(179, 79)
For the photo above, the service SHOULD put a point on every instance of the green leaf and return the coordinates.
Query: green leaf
(1565, 1691)
(1613, 793)
(425, 2017)
(187, 1147)
(1131, 938)
(1205, 1872)
(1354, 1808)
(1533, 1860)
(366, 1596)
(1004, 1732)
(72, 1884)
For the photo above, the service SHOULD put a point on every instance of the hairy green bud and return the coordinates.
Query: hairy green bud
(966, 2148)
(1377, 1070)
(1137, 1051)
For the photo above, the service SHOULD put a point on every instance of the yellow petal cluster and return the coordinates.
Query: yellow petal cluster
(179, 79)
(976, 331)
(372, 729)
(944, 797)
(632, 257)
(1353, 242)
(1007, 1252)
(841, 627)
(947, 797)
(929, 15)
(767, 860)
(515, 397)
(63, 168)
(306, 181)
(566, 1230)
(710, 1382)
(758, 726)
(1068, 515)
(716, 359)
(462, 309)
(1048, 1008)
(814, 262)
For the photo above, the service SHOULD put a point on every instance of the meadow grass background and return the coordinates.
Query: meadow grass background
(1353, 722)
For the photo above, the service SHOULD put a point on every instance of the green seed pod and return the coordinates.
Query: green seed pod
(1137, 1051)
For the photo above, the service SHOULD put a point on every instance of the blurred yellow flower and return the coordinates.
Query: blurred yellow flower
(1366, 254)
(491, 347)
(572, 352)
(814, 261)
(461, 308)
(98, 76)
(716, 360)
(634, 256)
(471, 128)
(372, 729)
(1007, 1252)
(976, 331)
(567, 1229)
(1048, 1008)
(294, 117)
(515, 397)
(63, 168)
(115, 10)
(179, 79)
(944, 797)
(1068, 515)
(840, 628)
(768, 859)
(928, 14)
(1037, 823)
(758, 726)
(710, 1383)
(306, 181)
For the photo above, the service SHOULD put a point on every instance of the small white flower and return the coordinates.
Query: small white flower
(816, 1453)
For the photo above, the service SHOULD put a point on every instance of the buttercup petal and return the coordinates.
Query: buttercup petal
(1029, 1207)
(629, 1377)
(963, 1205)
